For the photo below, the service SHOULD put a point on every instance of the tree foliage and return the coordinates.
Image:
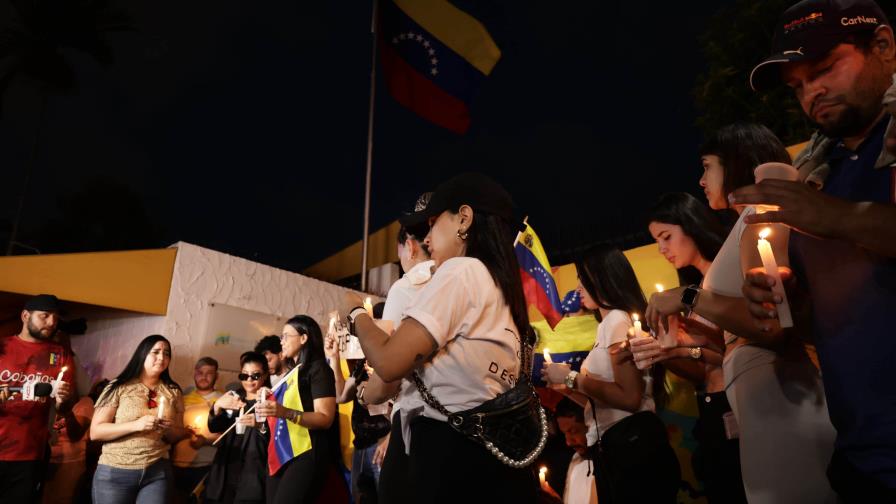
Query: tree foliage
(737, 37)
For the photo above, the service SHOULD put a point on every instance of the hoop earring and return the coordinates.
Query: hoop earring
(462, 235)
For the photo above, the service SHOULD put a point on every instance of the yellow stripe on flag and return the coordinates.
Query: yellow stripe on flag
(461, 32)
(572, 334)
(298, 435)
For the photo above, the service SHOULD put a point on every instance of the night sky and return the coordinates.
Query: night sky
(241, 126)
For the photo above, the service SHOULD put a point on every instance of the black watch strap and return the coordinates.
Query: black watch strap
(689, 297)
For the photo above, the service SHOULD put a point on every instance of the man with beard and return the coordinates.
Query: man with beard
(30, 356)
(838, 57)
(193, 456)
(580, 488)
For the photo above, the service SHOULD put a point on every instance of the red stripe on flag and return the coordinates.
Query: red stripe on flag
(421, 95)
(535, 295)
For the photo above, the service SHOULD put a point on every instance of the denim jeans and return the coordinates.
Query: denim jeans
(112, 485)
(365, 474)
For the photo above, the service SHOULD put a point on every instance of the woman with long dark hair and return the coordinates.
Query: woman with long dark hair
(239, 472)
(461, 342)
(138, 417)
(689, 235)
(635, 461)
(772, 386)
(302, 414)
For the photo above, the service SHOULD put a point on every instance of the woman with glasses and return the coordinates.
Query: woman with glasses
(239, 471)
(138, 417)
(305, 446)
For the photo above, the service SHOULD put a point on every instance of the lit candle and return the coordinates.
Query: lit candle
(368, 306)
(637, 333)
(161, 412)
(771, 269)
(59, 376)
(547, 356)
(542, 474)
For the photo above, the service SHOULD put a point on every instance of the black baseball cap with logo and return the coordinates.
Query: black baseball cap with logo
(810, 29)
(478, 191)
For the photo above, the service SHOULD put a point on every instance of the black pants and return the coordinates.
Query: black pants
(446, 467)
(854, 486)
(716, 460)
(299, 481)
(20, 480)
(635, 463)
(393, 486)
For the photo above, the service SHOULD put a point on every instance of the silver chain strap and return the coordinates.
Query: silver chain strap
(428, 398)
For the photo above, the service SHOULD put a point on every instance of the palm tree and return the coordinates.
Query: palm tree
(32, 35)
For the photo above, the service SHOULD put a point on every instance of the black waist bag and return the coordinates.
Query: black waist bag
(512, 426)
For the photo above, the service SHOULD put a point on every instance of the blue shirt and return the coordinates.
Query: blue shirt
(853, 296)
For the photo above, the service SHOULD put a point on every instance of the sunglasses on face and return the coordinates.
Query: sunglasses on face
(245, 377)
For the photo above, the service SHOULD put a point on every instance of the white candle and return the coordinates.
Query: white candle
(262, 397)
(369, 307)
(161, 412)
(547, 356)
(542, 474)
(771, 269)
(637, 333)
(240, 428)
(61, 371)
(667, 339)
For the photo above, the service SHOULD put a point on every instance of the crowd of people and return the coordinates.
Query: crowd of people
(791, 367)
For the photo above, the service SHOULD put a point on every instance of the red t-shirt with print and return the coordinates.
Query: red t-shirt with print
(24, 424)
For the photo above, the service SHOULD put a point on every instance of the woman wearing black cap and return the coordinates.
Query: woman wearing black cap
(462, 337)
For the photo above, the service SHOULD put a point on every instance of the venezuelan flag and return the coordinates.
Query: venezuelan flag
(538, 281)
(569, 342)
(434, 57)
(288, 440)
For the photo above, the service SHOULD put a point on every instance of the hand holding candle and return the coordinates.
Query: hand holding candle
(771, 269)
(667, 339)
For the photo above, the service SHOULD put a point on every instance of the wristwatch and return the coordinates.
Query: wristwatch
(689, 297)
(696, 352)
(352, 315)
(570, 380)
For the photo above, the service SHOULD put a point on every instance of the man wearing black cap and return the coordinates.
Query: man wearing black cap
(30, 356)
(838, 56)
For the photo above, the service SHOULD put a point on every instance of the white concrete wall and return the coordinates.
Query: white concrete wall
(201, 276)
(111, 338)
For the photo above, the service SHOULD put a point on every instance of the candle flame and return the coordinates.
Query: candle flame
(635, 316)
(543, 470)
(764, 233)
(659, 287)
(64, 369)
(367, 301)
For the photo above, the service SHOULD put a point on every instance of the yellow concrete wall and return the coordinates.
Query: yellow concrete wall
(381, 249)
(135, 280)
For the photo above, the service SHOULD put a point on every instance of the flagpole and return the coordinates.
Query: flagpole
(520, 233)
(370, 110)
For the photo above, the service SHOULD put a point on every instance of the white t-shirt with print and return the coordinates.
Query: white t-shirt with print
(478, 357)
(613, 329)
